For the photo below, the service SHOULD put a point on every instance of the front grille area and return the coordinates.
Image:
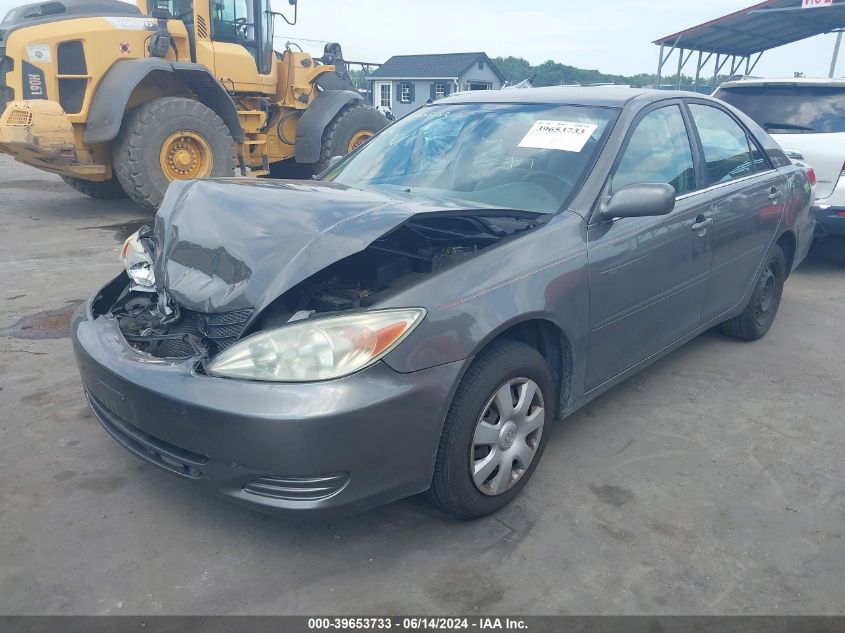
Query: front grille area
(297, 488)
(72, 94)
(72, 80)
(19, 118)
(172, 458)
(71, 58)
(216, 330)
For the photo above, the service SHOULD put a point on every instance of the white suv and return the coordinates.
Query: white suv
(807, 118)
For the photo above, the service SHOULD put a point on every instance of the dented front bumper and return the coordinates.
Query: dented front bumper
(343, 445)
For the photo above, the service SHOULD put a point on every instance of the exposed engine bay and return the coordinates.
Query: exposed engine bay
(413, 251)
(420, 247)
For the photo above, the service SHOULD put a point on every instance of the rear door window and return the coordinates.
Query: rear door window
(790, 109)
(727, 147)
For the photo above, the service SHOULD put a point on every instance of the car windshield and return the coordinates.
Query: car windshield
(790, 109)
(510, 156)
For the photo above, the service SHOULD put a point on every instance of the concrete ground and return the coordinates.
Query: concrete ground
(713, 482)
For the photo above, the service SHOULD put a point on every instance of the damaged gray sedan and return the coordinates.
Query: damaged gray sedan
(416, 318)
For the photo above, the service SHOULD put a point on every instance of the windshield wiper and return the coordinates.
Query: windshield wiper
(787, 126)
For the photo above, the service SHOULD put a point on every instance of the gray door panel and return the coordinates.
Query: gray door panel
(746, 219)
(748, 198)
(648, 275)
(648, 278)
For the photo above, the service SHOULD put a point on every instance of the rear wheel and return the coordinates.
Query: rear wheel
(494, 433)
(763, 306)
(172, 138)
(353, 126)
(103, 190)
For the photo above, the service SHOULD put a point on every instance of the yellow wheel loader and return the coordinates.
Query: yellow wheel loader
(120, 99)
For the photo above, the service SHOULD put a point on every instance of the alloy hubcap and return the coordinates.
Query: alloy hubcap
(507, 436)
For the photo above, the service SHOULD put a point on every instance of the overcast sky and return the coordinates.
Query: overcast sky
(613, 36)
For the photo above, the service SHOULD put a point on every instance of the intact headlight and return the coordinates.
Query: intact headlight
(138, 260)
(317, 350)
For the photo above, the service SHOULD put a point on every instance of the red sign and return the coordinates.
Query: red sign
(814, 4)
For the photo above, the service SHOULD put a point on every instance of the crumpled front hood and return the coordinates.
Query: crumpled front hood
(232, 244)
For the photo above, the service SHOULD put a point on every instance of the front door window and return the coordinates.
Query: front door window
(658, 151)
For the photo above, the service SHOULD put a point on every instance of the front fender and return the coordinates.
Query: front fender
(309, 130)
(109, 103)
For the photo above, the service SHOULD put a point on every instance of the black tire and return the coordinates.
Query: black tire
(762, 308)
(452, 487)
(137, 149)
(102, 190)
(337, 136)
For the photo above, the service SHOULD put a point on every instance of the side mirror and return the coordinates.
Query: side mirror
(334, 160)
(640, 200)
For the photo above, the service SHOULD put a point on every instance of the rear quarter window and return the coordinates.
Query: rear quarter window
(790, 109)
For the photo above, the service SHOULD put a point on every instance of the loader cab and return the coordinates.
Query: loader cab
(233, 38)
(248, 23)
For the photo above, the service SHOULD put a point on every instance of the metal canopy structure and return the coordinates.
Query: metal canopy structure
(736, 42)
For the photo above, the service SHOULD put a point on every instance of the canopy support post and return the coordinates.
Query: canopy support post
(660, 66)
(718, 68)
(835, 54)
(698, 70)
(680, 66)
(754, 65)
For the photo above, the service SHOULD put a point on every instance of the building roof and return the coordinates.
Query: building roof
(437, 66)
(760, 27)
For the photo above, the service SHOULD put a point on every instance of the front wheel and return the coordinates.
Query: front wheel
(172, 138)
(353, 126)
(762, 308)
(495, 431)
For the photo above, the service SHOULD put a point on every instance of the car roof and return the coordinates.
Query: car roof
(603, 96)
(783, 81)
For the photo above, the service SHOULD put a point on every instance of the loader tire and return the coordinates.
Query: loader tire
(172, 138)
(351, 127)
(102, 190)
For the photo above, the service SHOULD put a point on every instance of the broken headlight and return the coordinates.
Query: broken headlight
(137, 257)
(317, 350)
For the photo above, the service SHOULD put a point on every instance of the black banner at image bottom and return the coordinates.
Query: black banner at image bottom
(412, 623)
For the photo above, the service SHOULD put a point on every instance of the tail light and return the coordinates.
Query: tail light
(811, 175)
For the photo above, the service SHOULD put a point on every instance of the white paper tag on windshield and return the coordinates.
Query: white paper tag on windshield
(562, 135)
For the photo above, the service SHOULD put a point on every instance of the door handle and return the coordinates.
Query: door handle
(702, 224)
(774, 194)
